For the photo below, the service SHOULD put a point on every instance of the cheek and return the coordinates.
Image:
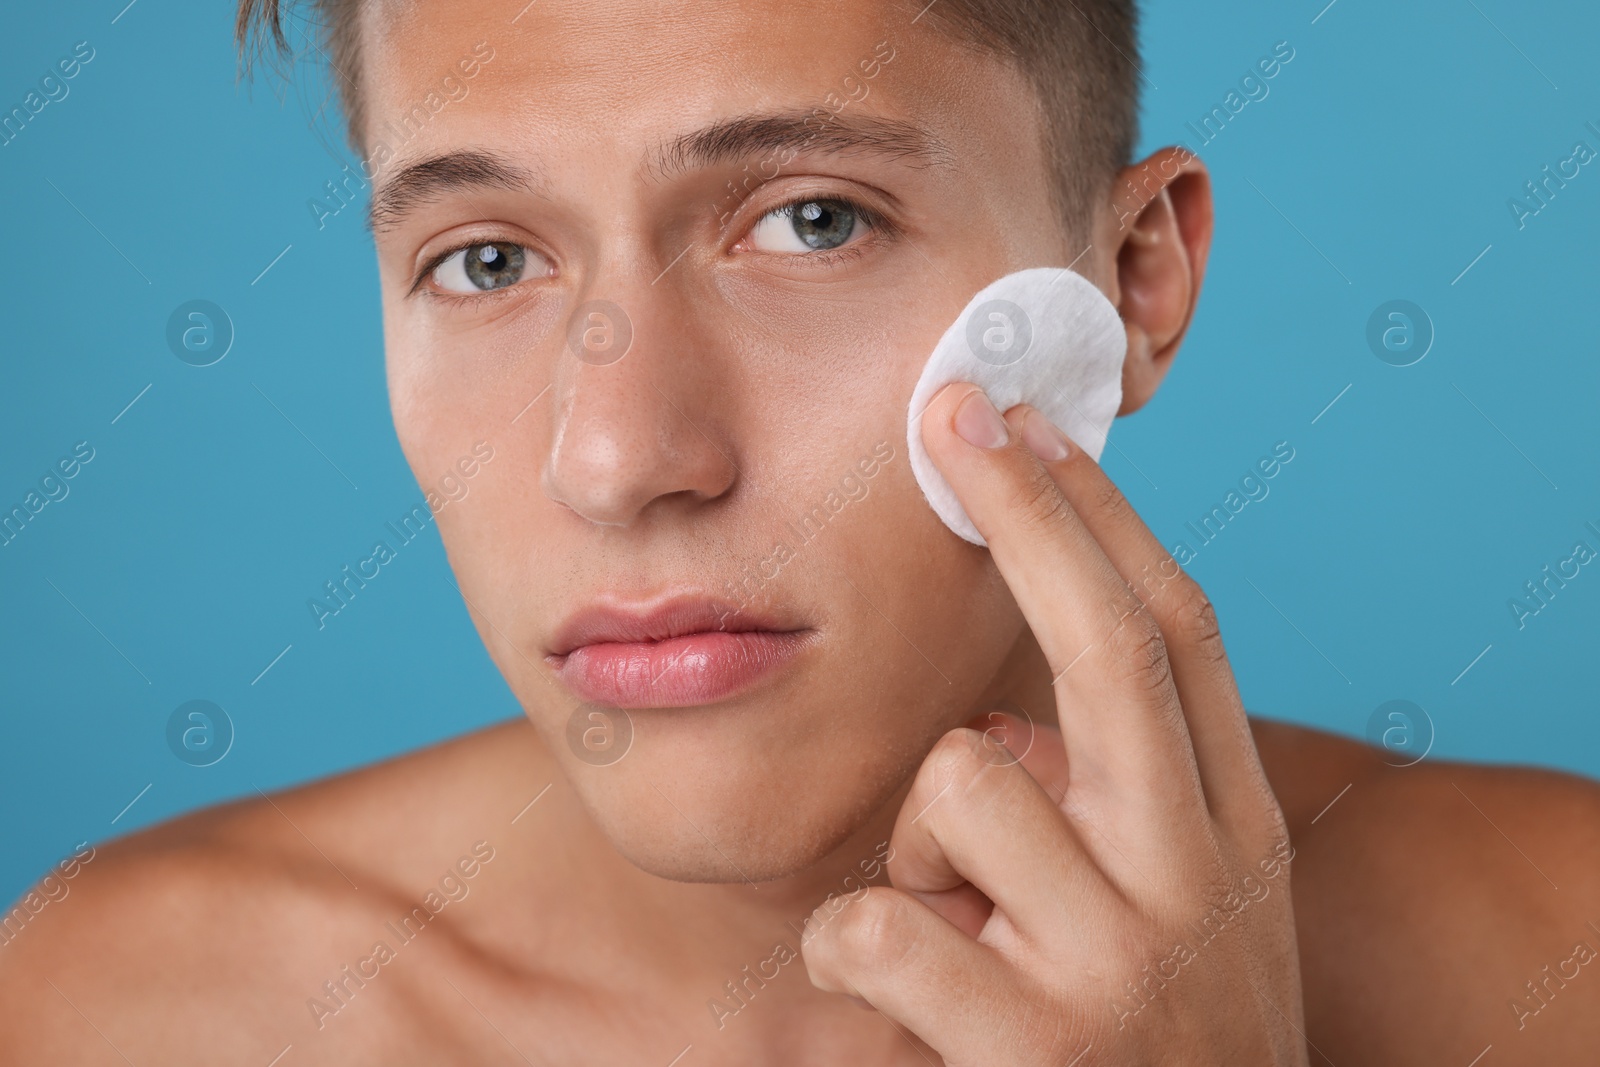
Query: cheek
(948, 596)
(836, 371)
(411, 403)
(920, 620)
(455, 383)
(835, 364)
(422, 421)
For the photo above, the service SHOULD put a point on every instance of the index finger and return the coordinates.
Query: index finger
(1235, 786)
(1118, 708)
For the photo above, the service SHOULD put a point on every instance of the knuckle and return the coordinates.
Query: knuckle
(953, 762)
(1274, 824)
(1263, 825)
(966, 776)
(1137, 649)
(1038, 503)
(1108, 500)
(877, 932)
(946, 775)
(1194, 620)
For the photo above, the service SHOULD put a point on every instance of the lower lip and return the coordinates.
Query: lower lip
(700, 668)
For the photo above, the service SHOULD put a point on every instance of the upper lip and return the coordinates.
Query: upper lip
(657, 620)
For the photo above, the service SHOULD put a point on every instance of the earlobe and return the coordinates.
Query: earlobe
(1159, 224)
(1138, 382)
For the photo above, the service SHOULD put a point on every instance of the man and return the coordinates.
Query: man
(677, 269)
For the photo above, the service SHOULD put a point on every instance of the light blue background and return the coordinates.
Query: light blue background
(1388, 548)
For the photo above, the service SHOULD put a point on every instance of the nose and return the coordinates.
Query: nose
(637, 426)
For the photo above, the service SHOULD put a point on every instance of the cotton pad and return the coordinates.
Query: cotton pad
(1045, 337)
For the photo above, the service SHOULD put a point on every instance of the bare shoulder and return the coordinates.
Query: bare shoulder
(1442, 908)
(217, 936)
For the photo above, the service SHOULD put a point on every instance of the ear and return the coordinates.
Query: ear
(1158, 233)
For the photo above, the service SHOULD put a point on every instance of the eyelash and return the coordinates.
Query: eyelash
(875, 221)
(421, 280)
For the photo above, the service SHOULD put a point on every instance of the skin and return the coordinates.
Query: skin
(1021, 896)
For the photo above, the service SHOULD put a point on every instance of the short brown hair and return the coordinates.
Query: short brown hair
(1080, 55)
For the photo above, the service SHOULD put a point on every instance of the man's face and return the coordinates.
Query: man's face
(782, 204)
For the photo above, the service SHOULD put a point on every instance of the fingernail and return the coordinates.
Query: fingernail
(1041, 435)
(979, 423)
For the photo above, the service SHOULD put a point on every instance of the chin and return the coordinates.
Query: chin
(792, 848)
(721, 795)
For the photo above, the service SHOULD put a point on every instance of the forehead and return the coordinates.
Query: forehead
(594, 75)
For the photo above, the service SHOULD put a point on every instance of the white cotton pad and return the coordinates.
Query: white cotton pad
(1045, 337)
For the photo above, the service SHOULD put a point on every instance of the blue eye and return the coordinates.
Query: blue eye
(480, 268)
(809, 226)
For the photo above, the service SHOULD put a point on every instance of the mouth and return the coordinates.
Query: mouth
(681, 652)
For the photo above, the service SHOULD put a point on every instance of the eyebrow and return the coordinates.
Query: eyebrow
(734, 139)
(730, 140)
(452, 172)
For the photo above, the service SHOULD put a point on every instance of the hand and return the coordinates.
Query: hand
(1121, 894)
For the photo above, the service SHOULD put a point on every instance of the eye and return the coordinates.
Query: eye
(809, 226)
(483, 267)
